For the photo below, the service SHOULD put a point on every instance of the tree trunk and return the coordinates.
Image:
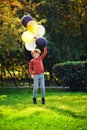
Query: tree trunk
(13, 79)
(1, 77)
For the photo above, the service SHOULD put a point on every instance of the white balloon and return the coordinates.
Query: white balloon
(30, 46)
(40, 31)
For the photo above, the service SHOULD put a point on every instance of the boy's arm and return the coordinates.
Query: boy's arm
(44, 53)
(31, 68)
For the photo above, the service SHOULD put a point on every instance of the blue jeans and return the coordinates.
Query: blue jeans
(39, 81)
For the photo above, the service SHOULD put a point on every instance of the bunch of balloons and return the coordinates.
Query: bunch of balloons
(33, 37)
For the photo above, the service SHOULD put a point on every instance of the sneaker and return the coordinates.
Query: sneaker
(43, 100)
(34, 101)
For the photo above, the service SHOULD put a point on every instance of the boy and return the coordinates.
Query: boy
(36, 69)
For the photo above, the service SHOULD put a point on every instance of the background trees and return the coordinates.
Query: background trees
(66, 31)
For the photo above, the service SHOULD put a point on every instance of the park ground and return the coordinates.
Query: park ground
(62, 111)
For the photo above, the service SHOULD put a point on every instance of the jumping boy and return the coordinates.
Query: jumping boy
(36, 69)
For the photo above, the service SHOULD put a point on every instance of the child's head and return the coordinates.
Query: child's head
(36, 53)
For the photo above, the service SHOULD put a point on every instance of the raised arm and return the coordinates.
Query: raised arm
(44, 53)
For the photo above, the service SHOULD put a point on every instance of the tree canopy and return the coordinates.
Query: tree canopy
(66, 30)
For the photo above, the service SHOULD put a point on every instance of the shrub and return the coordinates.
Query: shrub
(72, 74)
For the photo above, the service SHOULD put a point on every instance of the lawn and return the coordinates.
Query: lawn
(62, 111)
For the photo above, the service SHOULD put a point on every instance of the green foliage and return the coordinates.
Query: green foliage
(72, 74)
(66, 25)
(65, 22)
(61, 111)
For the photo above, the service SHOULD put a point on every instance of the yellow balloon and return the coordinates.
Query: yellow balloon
(27, 37)
(32, 26)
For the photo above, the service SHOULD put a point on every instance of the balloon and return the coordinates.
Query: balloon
(41, 42)
(30, 46)
(40, 31)
(32, 26)
(26, 20)
(27, 37)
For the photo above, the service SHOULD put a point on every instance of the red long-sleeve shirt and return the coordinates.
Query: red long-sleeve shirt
(36, 65)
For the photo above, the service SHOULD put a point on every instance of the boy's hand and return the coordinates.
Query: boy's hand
(32, 76)
(45, 48)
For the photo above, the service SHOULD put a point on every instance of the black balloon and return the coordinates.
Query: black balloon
(41, 42)
(26, 19)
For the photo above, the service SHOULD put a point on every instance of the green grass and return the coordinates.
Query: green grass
(62, 111)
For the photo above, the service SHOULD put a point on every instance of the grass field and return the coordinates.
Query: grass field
(62, 111)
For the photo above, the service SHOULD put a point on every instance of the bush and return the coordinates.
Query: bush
(72, 74)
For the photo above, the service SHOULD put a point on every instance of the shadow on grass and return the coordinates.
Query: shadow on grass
(19, 91)
(67, 112)
(16, 98)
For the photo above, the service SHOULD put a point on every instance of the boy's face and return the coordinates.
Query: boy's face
(35, 55)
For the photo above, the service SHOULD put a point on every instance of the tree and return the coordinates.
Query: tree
(11, 29)
(65, 23)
